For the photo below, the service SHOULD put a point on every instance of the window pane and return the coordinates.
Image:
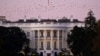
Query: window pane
(60, 33)
(55, 33)
(41, 33)
(28, 33)
(55, 45)
(48, 45)
(60, 44)
(36, 44)
(48, 33)
(41, 45)
(36, 33)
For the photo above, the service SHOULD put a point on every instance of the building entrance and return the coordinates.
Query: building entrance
(48, 54)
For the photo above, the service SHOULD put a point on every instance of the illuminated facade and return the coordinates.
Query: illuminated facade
(47, 36)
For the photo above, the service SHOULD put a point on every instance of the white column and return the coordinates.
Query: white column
(52, 46)
(45, 46)
(38, 40)
(58, 39)
(31, 39)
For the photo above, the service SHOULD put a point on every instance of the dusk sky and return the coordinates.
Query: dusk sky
(17, 9)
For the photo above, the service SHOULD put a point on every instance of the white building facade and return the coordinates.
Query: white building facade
(47, 38)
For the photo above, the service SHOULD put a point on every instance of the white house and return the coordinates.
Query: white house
(47, 36)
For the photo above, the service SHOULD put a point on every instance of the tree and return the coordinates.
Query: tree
(90, 21)
(13, 39)
(96, 41)
(75, 40)
(90, 34)
(80, 40)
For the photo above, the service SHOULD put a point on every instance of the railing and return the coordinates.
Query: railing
(42, 24)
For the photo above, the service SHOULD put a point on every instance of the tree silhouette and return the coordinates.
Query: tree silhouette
(75, 40)
(80, 40)
(96, 41)
(90, 21)
(90, 34)
(13, 39)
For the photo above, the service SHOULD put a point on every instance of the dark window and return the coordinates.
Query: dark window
(55, 33)
(41, 33)
(55, 45)
(60, 45)
(28, 33)
(36, 33)
(48, 33)
(55, 53)
(41, 45)
(48, 45)
(41, 53)
(36, 46)
(48, 54)
(60, 33)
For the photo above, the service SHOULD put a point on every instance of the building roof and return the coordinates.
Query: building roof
(44, 20)
(48, 20)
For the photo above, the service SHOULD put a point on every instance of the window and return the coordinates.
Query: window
(55, 45)
(36, 33)
(60, 44)
(55, 54)
(41, 45)
(48, 45)
(41, 33)
(36, 44)
(28, 33)
(55, 33)
(41, 53)
(48, 33)
(60, 33)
